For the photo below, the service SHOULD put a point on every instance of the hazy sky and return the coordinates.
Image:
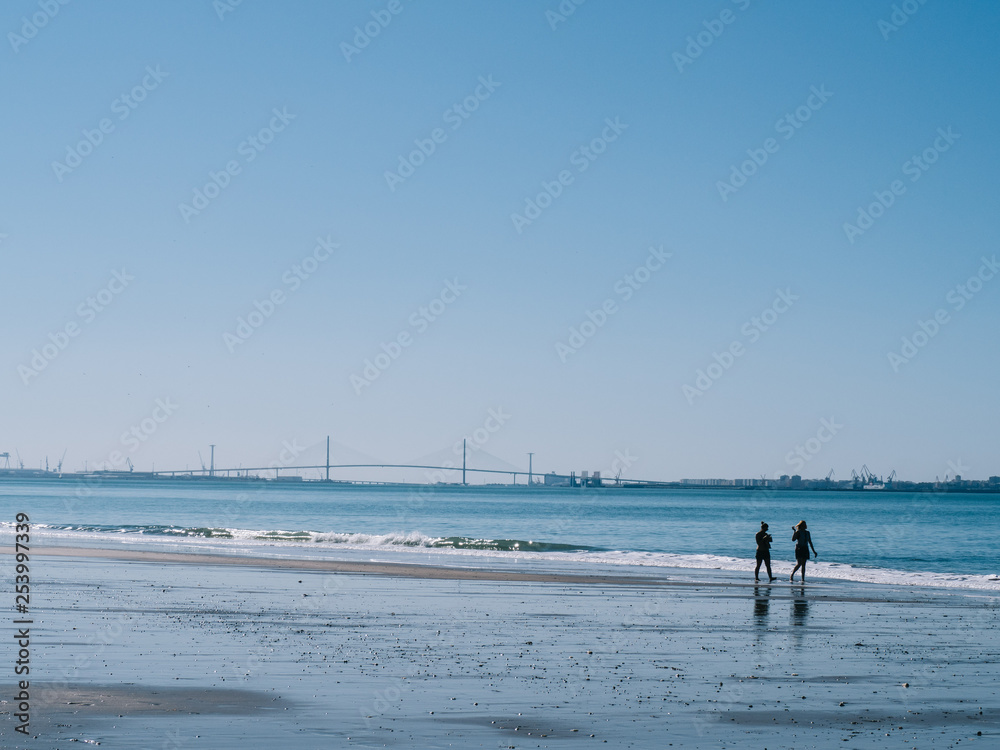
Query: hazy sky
(637, 232)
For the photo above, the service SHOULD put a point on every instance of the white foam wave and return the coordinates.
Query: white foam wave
(411, 539)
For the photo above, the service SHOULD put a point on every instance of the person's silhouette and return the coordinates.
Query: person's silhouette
(763, 552)
(803, 541)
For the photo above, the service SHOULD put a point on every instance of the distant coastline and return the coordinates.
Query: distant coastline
(545, 482)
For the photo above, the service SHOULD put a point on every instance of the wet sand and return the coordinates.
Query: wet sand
(134, 649)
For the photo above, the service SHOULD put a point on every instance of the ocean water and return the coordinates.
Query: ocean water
(939, 539)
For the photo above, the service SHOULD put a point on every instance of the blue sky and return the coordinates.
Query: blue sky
(865, 95)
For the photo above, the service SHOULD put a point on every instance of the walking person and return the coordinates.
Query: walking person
(803, 541)
(763, 552)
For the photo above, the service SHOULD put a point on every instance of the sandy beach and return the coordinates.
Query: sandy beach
(132, 649)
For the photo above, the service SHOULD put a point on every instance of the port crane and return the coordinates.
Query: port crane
(868, 480)
(6, 458)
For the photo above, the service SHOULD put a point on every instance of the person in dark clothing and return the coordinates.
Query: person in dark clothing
(803, 541)
(763, 552)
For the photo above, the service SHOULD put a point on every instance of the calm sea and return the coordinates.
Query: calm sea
(947, 540)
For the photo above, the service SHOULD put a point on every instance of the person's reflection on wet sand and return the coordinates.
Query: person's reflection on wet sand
(800, 606)
(761, 605)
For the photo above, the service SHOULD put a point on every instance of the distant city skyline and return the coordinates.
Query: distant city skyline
(724, 239)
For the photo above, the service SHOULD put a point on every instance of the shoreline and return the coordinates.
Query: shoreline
(390, 569)
(384, 569)
(659, 577)
(597, 573)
